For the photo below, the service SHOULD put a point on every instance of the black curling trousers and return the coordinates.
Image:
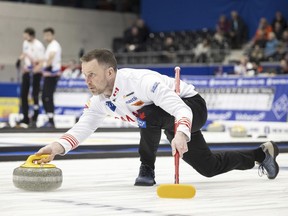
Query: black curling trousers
(199, 156)
(25, 86)
(49, 87)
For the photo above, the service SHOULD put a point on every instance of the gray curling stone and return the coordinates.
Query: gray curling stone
(36, 177)
(215, 127)
(238, 131)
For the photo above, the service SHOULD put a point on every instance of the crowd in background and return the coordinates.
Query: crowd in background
(270, 41)
(269, 44)
(228, 34)
(197, 44)
(233, 30)
(228, 31)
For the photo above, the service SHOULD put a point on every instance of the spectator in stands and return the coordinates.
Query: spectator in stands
(202, 51)
(133, 40)
(169, 45)
(238, 31)
(279, 19)
(223, 25)
(169, 48)
(271, 46)
(257, 54)
(245, 67)
(72, 70)
(220, 39)
(260, 39)
(257, 46)
(263, 27)
(143, 29)
(284, 65)
(285, 39)
(279, 53)
(278, 30)
(135, 36)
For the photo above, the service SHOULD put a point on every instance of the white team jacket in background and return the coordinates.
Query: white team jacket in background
(34, 51)
(54, 47)
(133, 89)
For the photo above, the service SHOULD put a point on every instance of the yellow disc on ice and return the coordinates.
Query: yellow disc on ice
(176, 191)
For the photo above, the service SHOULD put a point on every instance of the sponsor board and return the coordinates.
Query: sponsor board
(61, 121)
(8, 105)
(259, 128)
(244, 99)
(238, 99)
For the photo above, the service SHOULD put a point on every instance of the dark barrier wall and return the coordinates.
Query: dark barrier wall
(168, 15)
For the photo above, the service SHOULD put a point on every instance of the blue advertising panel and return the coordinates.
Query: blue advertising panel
(244, 99)
(227, 98)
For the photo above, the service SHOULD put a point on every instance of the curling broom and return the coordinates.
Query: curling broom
(176, 190)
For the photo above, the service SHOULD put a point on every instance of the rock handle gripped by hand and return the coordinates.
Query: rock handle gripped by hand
(52, 150)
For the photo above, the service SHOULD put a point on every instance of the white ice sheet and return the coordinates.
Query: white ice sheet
(105, 187)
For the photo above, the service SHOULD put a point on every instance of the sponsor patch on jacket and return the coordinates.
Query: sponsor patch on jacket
(141, 123)
(138, 103)
(131, 100)
(116, 91)
(154, 87)
(111, 105)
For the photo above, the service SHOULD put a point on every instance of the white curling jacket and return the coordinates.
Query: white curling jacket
(133, 89)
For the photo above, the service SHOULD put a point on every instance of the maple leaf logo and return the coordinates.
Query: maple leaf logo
(142, 115)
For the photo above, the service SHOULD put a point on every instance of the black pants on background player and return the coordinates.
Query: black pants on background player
(25, 87)
(199, 156)
(49, 87)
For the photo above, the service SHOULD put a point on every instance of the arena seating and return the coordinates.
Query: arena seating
(153, 51)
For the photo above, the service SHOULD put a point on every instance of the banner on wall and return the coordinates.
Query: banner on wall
(9, 100)
(8, 105)
(240, 99)
(244, 99)
(71, 97)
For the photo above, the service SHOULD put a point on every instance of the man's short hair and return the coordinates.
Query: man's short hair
(103, 56)
(30, 31)
(51, 30)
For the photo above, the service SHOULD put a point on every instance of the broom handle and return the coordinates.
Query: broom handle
(176, 156)
(176, 159)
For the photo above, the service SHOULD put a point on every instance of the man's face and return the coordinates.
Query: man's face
(95, 76)
(134, 31)
(234, 14)
(27, 37)
(48, 37)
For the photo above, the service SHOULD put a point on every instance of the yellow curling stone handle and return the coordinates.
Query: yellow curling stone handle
(30, 162)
